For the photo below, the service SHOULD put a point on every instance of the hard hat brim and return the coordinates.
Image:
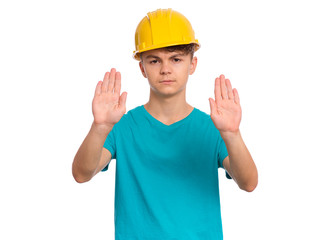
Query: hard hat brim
(136, 54)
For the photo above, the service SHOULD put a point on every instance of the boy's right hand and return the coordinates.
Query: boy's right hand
(108, 106)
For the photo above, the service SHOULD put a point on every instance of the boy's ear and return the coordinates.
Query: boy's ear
(193, 65)
(142, 69)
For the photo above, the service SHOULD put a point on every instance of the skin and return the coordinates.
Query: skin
(108, 106)
(167, 100)
(226, 115)
(167, 74)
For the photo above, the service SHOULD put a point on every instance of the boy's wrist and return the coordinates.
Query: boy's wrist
(101, 129)
(230, 135)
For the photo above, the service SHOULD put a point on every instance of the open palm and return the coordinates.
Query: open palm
(108, 106)
(225, 109)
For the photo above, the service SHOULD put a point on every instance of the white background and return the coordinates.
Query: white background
(280, 55)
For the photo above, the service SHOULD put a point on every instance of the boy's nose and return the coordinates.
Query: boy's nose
(165, 68)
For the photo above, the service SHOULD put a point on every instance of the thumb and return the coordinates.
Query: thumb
(122, 100)
(213, 106)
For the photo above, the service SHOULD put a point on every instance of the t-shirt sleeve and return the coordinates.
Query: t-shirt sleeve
(111, 146)
(222, 154)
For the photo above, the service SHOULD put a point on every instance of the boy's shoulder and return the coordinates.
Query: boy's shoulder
(132, 116)
(133, 113)
(202, 114)
(204, 120)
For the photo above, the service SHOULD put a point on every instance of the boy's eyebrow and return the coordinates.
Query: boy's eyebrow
(177, 55)
(174, 56)
(152, 56)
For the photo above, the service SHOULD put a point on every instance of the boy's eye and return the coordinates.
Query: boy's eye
(176, 60)
(153, 61)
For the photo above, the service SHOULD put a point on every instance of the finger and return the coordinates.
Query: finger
(229, 89)
(117, 83)
(112, 79)
(122, 99)
(223, 87)
(105, 82)
(218, 95)
(213, 106)
(98, 88)
(236, 96)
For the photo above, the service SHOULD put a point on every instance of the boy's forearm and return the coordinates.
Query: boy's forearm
(242, 166)
(88, 155)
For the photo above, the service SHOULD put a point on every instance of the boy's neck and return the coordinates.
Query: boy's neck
(168, 110)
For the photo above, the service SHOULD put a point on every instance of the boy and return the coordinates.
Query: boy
(167, 152)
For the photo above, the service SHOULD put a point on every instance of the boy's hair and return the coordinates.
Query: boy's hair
(185, 49)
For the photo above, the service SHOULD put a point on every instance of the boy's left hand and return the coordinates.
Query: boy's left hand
(225, 109)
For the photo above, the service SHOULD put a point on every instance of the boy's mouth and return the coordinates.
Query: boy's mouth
(167, 81)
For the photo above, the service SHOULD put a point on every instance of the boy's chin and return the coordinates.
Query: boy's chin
(167, 94)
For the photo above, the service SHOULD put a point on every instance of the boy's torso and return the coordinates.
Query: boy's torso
(166, 177)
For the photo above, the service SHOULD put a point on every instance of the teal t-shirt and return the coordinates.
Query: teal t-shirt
(166, 182)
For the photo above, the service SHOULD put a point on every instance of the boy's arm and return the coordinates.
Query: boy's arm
(108, 106)
(226, 115)
(91, 157)
(240, 164)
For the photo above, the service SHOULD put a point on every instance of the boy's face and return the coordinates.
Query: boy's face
(167, 72)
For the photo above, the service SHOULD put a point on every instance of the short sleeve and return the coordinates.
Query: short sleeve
(222, 154)
(110, 145)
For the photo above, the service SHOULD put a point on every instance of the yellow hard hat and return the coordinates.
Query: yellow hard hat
(163, 28)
